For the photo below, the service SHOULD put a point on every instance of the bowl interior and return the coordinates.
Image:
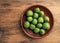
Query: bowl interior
(29, 32)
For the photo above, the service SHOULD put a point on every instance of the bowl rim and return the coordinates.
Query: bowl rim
(29, 34)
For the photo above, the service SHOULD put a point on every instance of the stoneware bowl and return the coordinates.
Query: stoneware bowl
(31, 33)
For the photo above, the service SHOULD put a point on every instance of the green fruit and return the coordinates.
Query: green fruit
(42, 32)
(46, 26)
(35, 15)
(41, 13)
(29, 19)
(37, 10)
(34, 21)
(26, 24)
(40, 20)
(29, 13)
(32, 26)
(39, 25)
(36, 30)
(46, 19)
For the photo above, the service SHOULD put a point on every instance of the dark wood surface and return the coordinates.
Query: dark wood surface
(10, 15)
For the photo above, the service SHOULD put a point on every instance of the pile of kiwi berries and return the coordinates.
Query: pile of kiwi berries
(37, 21)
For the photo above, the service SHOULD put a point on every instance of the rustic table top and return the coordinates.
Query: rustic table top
(10, 15)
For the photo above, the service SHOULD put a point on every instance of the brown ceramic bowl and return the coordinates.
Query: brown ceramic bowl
(31, 33)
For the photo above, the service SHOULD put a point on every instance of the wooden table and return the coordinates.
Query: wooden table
(10, 15)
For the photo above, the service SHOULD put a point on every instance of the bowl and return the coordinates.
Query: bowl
(31, 33)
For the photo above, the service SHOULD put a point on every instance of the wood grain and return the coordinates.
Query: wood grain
(10, 15)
